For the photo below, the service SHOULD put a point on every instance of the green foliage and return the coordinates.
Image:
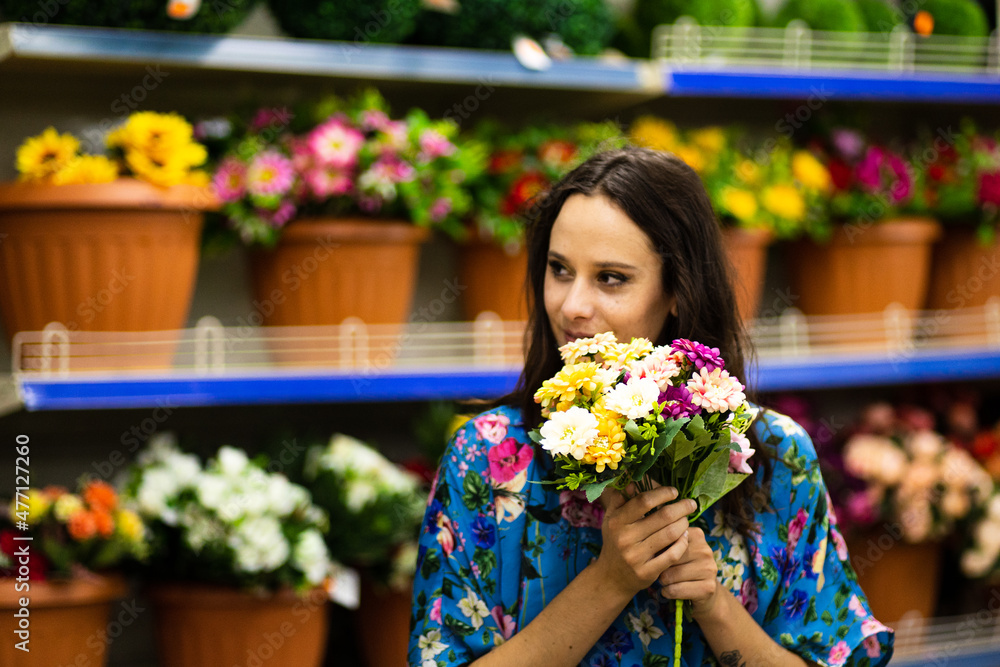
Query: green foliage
(373, 21)
(650, 13)
(956, 17)
(834, 15)
(880, 15)
(214, 16)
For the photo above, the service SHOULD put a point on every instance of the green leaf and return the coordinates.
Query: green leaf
(786, 639)
(842, 632)
(670, 431)
(595, 489)
(842, 616)
(633, 429)
(458, 627)
(768, 571)
(827, 617)
(486, 559)
(710, 479)
(841, 597)
(543, 515)
(432, 563)
(653, 660)
(446, 588)
(476, 492)
(535, 436)
(773, 609)
(811, 611)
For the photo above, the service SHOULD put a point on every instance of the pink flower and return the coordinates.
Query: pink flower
(446, 534)
(492, 427)
(433, 144)
(661, 366)
(505, 622)
(274, 118)
(336, 144)
(839, 654)
(738, 460)
(435, 613)
(795, 528)
(270, 174)
(715, 391)
(230, 180)
(374, 119)
(854, 604)
(280, 216)
(394, 136)
(871, 626)
(327, 182)
(748, 596)
(839, 544)
(861, 508)
(507, 460)
(872, 646)
(439, 209)
(578, 512)
(848, 142)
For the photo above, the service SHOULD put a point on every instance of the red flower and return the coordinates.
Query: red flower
(503, 161)
(985, 445)
(936, 172)
(524, 189)
(556, 152)
(989, 188)
(840, 174)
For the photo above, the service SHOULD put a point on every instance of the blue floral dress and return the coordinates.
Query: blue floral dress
(496, 547)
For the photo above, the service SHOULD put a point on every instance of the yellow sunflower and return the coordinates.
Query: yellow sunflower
(40, 157)
(86, 169)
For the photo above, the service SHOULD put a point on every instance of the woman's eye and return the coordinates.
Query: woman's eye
(556, 268)
(613, 279)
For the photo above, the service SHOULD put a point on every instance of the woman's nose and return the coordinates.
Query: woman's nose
(578, 304)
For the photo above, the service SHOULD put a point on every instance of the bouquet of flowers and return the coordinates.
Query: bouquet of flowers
(89, 529)
(230, 522)
(618, 413)
(375, 507)
(898, 469)
(154, 147)
(345, 156)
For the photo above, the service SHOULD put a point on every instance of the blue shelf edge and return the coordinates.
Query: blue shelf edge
(825, 85)
(117, 392)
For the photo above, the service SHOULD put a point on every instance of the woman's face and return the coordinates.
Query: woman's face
(603, 274)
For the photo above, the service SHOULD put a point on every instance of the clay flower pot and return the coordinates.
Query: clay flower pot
(66, 618)
(493, 280)
(747, 253)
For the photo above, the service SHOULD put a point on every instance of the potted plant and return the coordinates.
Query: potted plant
(238, 564)
(962, 190)
(60, 553)
(874, 248)
(902, 489)
(522, 164)
(104, 242)
(178, 15)
(337, 199)
(376, 509)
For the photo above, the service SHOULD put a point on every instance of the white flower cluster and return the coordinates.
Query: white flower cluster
(232, 504)
(364, 472)
(981, 558)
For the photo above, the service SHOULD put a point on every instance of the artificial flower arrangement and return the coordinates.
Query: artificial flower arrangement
(375, 508)
(158, 148)
(229, 522)
(898, 470)
(753, 183)
(70, 532)
(344, 156)
(522, 165)
(618, 413)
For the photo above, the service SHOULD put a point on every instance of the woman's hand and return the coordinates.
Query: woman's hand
(643, 536)
(694, 576)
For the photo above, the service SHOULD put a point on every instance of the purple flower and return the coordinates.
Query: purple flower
(795, 604)
(617, 642)
(848, 143)
(284, 213)
(902, 186)
(484, 532)
(700, 355)
(869, 169)
(678, 403)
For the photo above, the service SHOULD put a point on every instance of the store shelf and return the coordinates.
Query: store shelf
(26, 45)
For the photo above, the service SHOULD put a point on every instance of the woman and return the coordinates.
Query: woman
(513, 572)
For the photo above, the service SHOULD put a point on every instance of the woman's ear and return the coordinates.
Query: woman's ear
(673, 306)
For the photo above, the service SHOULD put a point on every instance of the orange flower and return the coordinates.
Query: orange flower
(53, 492)
(81, 525)
(502, 161)
(100, 496)
(556, 152)
(104, 522)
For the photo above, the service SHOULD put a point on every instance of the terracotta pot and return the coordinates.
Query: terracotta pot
(964, 273)
(493, 279)
(211, 626)
(747, 253)
(66, 621)
(118, 256)
(899, 579)
(384, 624)
(864, 269)
(324, 271)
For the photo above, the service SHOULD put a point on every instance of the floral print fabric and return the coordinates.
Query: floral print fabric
(497, 546)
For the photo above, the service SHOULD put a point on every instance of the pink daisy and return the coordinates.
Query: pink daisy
(433, 144)
(230, 180)
(336, 144)
(270, 173)
(715, 391)
(327, 182)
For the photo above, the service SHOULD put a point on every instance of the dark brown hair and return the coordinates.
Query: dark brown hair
(667, 200)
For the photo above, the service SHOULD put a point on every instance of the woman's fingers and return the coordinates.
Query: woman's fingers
(644, 503)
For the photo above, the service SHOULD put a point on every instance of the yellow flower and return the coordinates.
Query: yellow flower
(40, 157)
(709, 139)
(810, 172)
(740, 203)
(571, 383)
(654, 133)
(609, 445)
(130, 526)
(158, 148)
(86, 169)
(748, 171)
(198, 178)
(622, 353)
(173, 170)
(38, 506)
(692, 156)
(784, 201)
(67, 505)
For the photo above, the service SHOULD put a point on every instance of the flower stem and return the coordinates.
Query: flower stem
(678, 631)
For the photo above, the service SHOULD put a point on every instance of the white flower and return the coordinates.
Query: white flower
(925, 445)
(732, 575)
(987, 534)
(283, 496)
(976, 562)
(993, 509)
(156, 490)
(213, 491)
(231, 461)
(310, 556)
(430, 644)
(259, 545)
(569, 433)
(633, 399)
(360, 492)
(473, 608)
(199, 528)
(643, 626)
(661, 366)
